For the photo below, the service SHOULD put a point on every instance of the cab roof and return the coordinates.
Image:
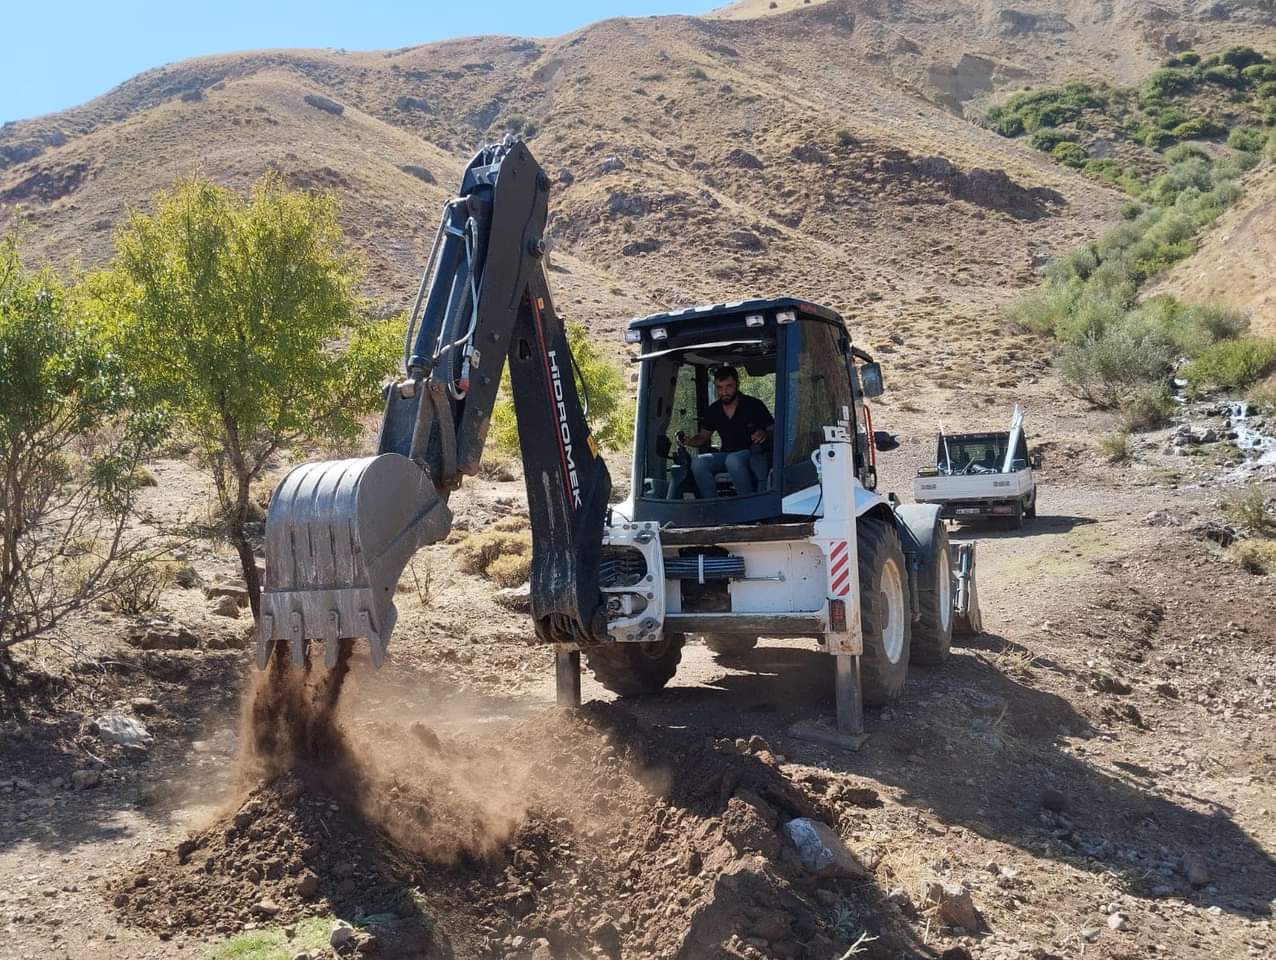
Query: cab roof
(735, 308)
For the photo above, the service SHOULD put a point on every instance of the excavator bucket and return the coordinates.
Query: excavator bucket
(966, 616)
(338, 535)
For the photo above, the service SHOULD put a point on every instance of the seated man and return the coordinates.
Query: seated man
(744, 425)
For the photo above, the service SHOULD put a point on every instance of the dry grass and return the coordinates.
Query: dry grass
(1255, 556)
(503, 556)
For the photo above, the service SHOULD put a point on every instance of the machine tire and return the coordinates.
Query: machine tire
(926, 535)
(730, 644)
(884, 664)
(632, 669)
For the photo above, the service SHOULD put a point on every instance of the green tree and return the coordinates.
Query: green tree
(243, 318)
(69, 449)
(601, 383)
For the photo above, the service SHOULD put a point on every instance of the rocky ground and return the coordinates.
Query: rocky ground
(1093, 776)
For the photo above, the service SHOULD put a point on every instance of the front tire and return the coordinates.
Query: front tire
(730, 644)
(633, 669)
(933, 631)
(884, 612)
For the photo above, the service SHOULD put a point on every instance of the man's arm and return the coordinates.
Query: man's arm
(696, 440)
(763, 422)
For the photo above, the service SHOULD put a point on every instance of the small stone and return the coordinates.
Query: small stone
(86, 779)
(226, 607)
(1118, 921)
(1091, 934)
(121, 900)
(144, 706)
(187, 578)
(266, 908)
(307, 885)
(758, 744)
(822, 851)
(956, 907)
(1197, 871)
(341, 933)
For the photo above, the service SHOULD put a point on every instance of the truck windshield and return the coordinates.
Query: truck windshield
(984, 454)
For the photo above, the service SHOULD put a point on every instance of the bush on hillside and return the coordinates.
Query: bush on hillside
(1184, 152)
(1168, 82)
(1108, 366)
(1188, 58)
(1047, 138)
(1167, 118)
(1070, 154)
(1148, 408)
(1259, 72)
(1048, 107)
(1199, 128)
(1249, 139)
(1240, 57)
(1223, 75)
(1232, 364)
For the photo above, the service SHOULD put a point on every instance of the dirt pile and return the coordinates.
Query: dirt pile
(584, 835)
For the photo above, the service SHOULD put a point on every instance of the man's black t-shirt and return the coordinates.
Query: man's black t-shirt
(750, 414)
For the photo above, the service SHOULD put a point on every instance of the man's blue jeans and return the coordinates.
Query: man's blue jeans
(742, 465)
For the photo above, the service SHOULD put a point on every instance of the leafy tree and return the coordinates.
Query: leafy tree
(69, 452)
(243, 318)
(601, 384)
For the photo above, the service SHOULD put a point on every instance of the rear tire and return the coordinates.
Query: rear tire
(884, 612)
(933, 630)
(1030, 510)
(633, 669)
(730, 644)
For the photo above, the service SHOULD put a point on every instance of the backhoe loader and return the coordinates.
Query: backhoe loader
(806, 548)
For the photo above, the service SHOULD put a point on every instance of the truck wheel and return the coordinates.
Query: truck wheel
(632, 669)
(730, 644)
(926, 536)
(1030, 508)
(1016, 521)
(884, 612)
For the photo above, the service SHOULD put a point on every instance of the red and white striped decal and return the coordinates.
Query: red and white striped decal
(839, 569)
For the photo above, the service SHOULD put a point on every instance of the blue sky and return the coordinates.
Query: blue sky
(56, 56)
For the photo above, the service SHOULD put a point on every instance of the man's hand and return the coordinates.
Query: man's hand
(758, 436)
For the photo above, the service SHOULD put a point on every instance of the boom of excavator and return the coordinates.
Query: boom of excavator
(339, 533)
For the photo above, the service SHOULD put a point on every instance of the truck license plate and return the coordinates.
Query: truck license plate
(967, 510)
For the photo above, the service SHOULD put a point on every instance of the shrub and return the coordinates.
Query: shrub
(1070, 154)
(1131, 209)
(1168, 118)
(1200, 128)
(1048, 107)
(1106, 367)
(1048, 138)
(1255, 556)
(1115, 447)
(1223, 75)
(1168, 82)
(601, 385)
(71, 440)
(1044, 309)
(1262, 396)
(1248, 509)
(1240, 57)
(1184, 152)
(1232, 364)
(1164, 190)
(478, 553)
(1250, 139)
(1259, 72)
(137, 588)
(1148, 408)
(1267, 89)
(1187, 58)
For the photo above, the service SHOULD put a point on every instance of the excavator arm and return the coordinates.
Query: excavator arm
(339, 533)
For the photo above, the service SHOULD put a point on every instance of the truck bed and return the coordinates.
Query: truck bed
(972, 487)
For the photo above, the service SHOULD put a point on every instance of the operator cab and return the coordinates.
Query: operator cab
(791, 362)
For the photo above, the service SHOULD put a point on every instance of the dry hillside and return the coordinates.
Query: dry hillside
(697, 158)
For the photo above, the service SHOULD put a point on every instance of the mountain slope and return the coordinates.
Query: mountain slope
(819, 151)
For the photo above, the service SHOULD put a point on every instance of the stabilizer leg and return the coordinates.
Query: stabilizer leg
(567, 678)
(850, 703)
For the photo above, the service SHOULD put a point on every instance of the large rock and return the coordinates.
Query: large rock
(226, 607)
(231, 588)
(822, 851)
(126, 731)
